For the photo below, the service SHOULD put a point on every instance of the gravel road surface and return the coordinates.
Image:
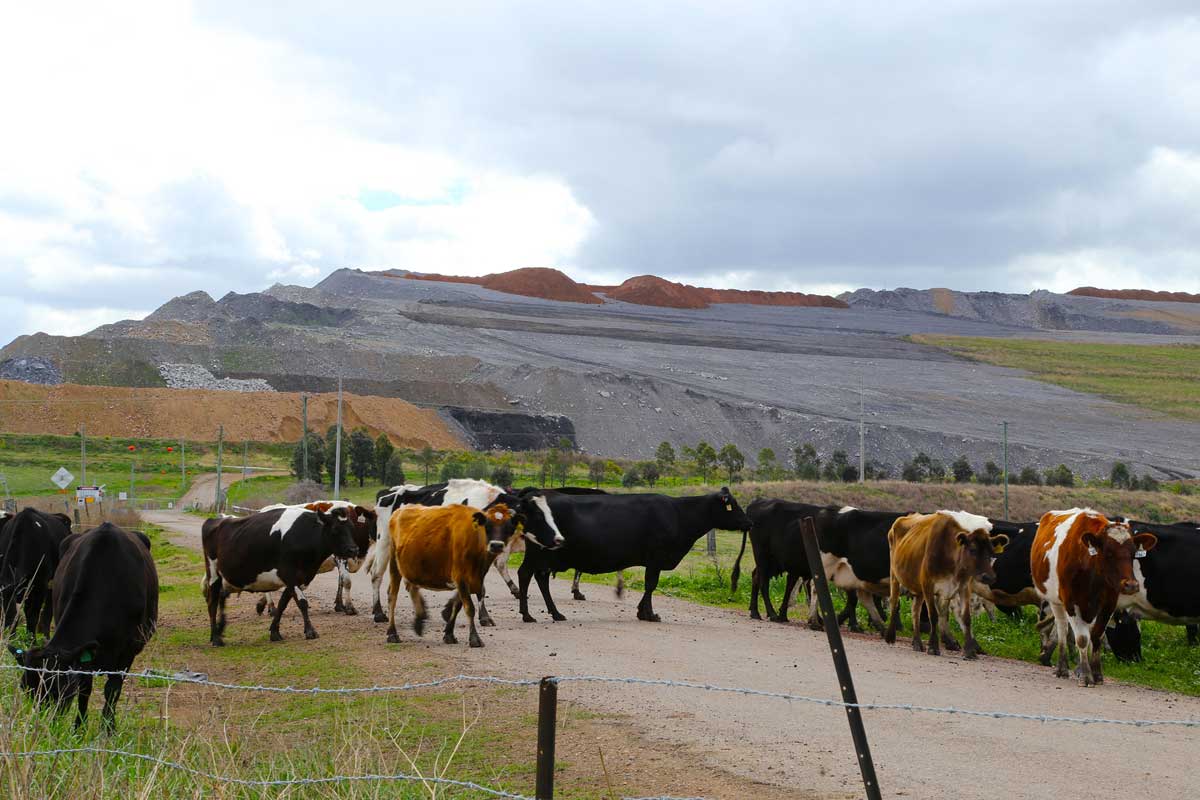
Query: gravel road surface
(802, 746)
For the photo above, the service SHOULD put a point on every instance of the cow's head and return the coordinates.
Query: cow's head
(500, 526)
(729, 516)
(338, 530)
(1111, 552)
(538, 524)
(977, 549)
(52, 675)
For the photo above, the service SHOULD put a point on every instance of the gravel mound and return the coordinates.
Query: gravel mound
(194, 376)
(32, 369)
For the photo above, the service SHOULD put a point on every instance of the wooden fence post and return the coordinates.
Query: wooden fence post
(547, 720)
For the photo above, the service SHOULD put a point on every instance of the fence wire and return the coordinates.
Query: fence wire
(707, 687)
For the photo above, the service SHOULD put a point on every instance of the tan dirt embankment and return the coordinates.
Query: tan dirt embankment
(196, 413)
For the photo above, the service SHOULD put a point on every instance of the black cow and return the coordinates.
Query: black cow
(1169, 591)
(29, 548)
(856, 558)
(105, 610)
(778, 550)
(1013, 586)
(607, 533)
(268, 551)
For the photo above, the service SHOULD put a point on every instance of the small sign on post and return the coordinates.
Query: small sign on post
(62, 479)
(85, 495)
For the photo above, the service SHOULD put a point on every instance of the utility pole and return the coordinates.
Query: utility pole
(220, 447)
(245, 457)
(862, 436)
(83, 454)
(182, 466)
(1005, 424)
(131, 463)
(304, 441)
(337, 448)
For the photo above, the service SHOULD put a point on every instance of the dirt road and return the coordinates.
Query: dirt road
(802, 746)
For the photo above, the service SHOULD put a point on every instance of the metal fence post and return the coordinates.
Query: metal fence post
(547, 721)
(808, 533)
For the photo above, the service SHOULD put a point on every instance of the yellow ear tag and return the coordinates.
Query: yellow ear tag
(998, 550)
(729, 507)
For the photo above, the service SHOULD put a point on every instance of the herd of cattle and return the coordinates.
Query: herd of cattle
(1081, 568)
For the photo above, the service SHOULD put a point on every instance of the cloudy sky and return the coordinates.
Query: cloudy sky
(150, 150)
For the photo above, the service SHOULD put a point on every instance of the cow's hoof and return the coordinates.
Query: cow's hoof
(755, 615)
(419, 626)
(970, 655)
(1062, 673)
(476, 641)
(780, 619)
(379, 616)
(649, 617)
(889, 637)
(934, 652)
(917, 646)
(393, 638)
(953, 647)
(815, 624)
(449, 638)
(578, 595)
(218, 642)
(1044, 659)
(261, 606)
(351, 611)
(488, 622)
(338, 608)
(275, 637)
(557, 617)
(310, 634)
(527, 618)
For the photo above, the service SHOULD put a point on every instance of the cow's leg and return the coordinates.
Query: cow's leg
(420, 612)
(754, 595)
(382, 556)
(578, 595)
(501, 566)
(344, 604)
(937, 620)
(543, 580)
(765, 588)
(393, 591)
(112, 693)
(874, 616)
(523, 576)
(646, 606)
(1047, 631)
(1082, 636)
(1193, 635)
(34, 597)
(815, 623)
(283, 601)
(85, 694)
(309, 631)
(46, 615)
(261, 605)
(849, 613)
(485, 619)
(620, 583)
(1062, 629)
(215, 594)
(789, 590)
(455, 604)
(971, 649)
(889, 633)
(1097, 649)
(469, 607)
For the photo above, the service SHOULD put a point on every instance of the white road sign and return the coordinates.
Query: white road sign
(62, 479)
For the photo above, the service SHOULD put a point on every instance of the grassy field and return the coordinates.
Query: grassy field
(1164, 378)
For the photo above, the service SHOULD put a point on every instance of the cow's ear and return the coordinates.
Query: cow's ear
(18, 654)
(999, 542)
(1145, 542)
(1092, 542)
(961, 538)
(480, 519)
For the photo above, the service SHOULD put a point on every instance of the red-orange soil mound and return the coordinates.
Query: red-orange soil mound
(548, 284)
(650, 290)
(1136, 294)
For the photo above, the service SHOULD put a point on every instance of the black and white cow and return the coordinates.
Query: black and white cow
(105, 611)
(539, 526)
(29, 554)
(856, 558)
(1013, 586)
(778, 550)
(607, 533)
(268, 551)
(1169, 590)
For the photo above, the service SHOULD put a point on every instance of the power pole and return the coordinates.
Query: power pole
(220, 448)
(182, 465)
(131, 463)
(337, 448)
(83, 454)
(245, 456)
(1005, 424)
(862, 436)
(304, 441)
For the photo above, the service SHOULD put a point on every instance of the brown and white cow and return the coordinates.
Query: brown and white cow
(363, 525)
(1082, 562)
(446, 547)
(938, 557)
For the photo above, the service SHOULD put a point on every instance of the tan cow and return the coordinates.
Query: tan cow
(445, 548)
(938, 557)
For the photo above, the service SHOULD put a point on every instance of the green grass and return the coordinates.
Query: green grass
(1163, 378)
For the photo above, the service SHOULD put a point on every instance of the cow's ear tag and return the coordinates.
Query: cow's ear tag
(498, 516)
(1141, 553)
(729, 506)
(1092, 550)
(86, 657)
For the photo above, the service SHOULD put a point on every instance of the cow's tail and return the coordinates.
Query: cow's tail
(737, 566)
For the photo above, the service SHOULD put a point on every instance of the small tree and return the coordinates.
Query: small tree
(382, 455)
(631, 478)
(596, 472)
(732, 460)
(502, 476)
(835, 468)
(991, 474)
(808, 463)
(877, 470)
(426, 459)
(393, 475)
(1029, 477)
(1121, 477)
(706, 459)
(477, 468)
(650, 473)
(316, 458)
(452, 468)
(768, 466)
(962, 470)
(1060, 476)
(1148, 483)
(664, 457)
(362, 454)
